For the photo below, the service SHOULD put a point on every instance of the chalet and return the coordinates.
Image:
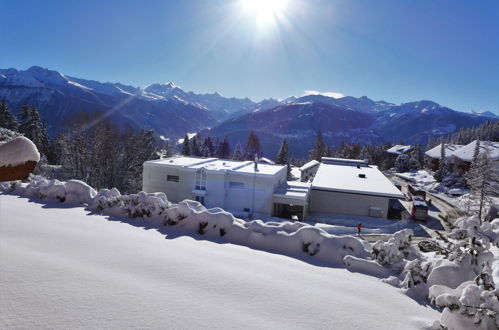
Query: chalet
(432, 156)
(464, 155)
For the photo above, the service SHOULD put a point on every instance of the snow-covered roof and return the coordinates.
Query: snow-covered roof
(449, 150)
(309, 165)
(349, 179)
(344, 161)
(293, 190)
(216, 164)
(18, 151)
(399, 149)
(266, 161)
(466, 153)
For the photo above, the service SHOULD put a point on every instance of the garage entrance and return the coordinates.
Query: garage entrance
(291, 200)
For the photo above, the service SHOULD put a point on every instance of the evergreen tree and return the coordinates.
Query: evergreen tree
(443, 167)
(402, 163)
(34, 129)
(7, 119)
(319, 149)
(476, 151)
(196, 147)
(25, 123)
(208, 149)
(224, 151)
(415, 158)
(253, 146)
(483, 181)
(283, 153)
(186, 149)
(238, 152)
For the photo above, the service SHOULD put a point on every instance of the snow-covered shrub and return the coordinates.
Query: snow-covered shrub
(470, 306)
(396, 249)
(13, 187)
(78, 192)
(369, 267)
(415, 272)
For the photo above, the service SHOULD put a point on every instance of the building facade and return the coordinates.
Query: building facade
(233, 185)
(340, 186)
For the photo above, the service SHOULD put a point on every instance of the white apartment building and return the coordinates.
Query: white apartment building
(341, 186)
(240, 186)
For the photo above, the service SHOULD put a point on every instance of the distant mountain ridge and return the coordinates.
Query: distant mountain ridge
(173, 112)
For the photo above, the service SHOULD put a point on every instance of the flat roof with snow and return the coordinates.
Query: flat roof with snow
(363, 180)
(293, 190)
(216, 164)
(449, 150)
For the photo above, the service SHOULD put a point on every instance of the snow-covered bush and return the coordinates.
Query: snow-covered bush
(291, 238)
(78, 192)
(396, 249)
(469, 306)
(461, 282)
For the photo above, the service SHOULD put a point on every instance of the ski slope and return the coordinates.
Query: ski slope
(65, 268)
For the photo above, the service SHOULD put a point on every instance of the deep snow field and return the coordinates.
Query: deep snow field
(64, 268)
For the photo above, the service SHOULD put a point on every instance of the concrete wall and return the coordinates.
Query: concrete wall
(344, 203)
(218, 192)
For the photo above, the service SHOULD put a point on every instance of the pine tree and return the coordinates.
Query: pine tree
(238, 152)
(415, 158)
(208, 149)
(319, 150)
(25, 123)
(443, 167)
(186, 150)
(34, 128)
(483, 181)
(476, 151)
(402, 163)
(196, 147)
(283, 153)
(7, 119)
(224, 151)
(253, 146)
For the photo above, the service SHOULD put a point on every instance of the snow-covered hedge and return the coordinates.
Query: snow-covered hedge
(290, 238)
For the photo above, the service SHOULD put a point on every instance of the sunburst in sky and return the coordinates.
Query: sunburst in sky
(265, 13)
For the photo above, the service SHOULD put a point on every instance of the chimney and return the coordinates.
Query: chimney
(256, 163)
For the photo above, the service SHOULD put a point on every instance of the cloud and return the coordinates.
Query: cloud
(329, 94)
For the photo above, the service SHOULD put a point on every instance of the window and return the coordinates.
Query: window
(200, 180)
(236, 185)
(172, 178)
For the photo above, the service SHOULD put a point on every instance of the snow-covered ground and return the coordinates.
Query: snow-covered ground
(62, 267)
(426, 180)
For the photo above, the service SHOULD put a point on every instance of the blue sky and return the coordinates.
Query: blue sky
(399, 51)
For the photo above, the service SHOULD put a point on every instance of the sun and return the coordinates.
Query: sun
(265, 11)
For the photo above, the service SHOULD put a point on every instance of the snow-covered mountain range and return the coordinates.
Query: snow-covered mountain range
(172, 112)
